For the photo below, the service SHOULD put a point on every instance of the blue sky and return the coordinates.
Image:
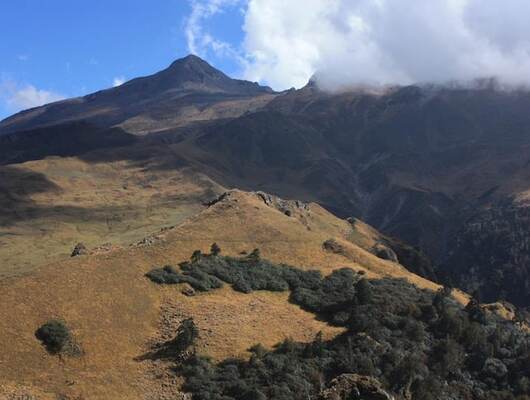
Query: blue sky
(64, 48)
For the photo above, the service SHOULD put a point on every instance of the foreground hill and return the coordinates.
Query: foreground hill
(122, 322)
(115, 313)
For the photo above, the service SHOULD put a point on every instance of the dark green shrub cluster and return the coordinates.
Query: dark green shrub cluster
(291, 372)
(329, 295)
(245, 274)
(332, 294)
(54, 335)
(411, 340)
(196, 278)
(390, 339)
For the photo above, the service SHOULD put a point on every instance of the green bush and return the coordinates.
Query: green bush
(207, 272)
(333, 294)
(364, 291)
(54, 335)
(187, 334)
(215, 250)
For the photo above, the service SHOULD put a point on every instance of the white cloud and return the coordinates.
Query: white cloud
(20, 97)
(118, 81)
(199, 40)
(374, 41)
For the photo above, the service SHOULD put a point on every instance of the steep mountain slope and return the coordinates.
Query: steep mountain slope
(414, 162)
(116, 314)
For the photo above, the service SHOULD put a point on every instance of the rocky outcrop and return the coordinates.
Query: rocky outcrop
(79, 250)
(288, 207)
(355, 387)
(333, 246)
(385, 253)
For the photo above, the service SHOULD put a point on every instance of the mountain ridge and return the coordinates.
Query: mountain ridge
(185, 77)
(415, 162)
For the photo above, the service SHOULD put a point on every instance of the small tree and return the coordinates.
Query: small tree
(363, 291)
(474, 311)
(187, 333)
(54, 335)
(215, 250)
(196, 256)
(440, 298)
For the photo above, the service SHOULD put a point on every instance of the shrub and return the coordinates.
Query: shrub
(364, 291)
(166, 275)
(54, 335)
(242, 286)
(215, 250)
(475, 312)
(335, 293)
(187, 334)
(195, 256)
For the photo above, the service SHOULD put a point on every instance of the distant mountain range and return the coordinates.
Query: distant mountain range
(446, 170)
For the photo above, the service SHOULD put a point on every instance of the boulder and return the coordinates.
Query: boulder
(333, 246)
(386, 253)
(187, 290)
(79, 250)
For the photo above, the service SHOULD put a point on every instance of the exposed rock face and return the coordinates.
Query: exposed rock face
(288, 207)
(355, 387)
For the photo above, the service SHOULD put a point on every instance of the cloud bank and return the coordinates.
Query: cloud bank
(20, 97)
(374, 42)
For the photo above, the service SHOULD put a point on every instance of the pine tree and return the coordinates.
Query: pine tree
(215, 250)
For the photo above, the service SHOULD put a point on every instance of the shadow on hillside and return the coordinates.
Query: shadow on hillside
(165, 352)
(63, 140)
(17, 186)
(146, 155)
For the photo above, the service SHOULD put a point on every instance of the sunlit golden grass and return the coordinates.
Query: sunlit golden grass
(116, 313)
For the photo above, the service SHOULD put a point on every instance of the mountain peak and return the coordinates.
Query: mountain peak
(189, 59)
(194, 69)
